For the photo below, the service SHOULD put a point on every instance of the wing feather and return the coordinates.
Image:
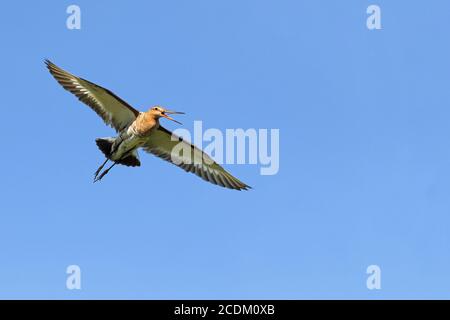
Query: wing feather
(161, 144)
(112, 109)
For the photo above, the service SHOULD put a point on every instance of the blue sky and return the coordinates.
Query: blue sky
(364, 151)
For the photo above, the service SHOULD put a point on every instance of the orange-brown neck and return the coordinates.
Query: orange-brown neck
(145, 123)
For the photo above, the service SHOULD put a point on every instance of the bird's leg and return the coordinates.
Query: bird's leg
(104, 172)
(100, 169)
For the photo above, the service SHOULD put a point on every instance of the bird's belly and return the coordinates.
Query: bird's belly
(126, 147)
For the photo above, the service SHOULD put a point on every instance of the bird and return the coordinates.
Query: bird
(136, 129)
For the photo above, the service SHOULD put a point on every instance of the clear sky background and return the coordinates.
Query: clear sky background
(364, 150)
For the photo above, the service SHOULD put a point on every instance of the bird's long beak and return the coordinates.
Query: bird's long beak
(166, 112)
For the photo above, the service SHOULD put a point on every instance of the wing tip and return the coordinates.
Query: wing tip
(244, 187)
(235, 183)
(48, 63)
(51, 66)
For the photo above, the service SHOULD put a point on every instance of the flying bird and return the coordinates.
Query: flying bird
(136, 130)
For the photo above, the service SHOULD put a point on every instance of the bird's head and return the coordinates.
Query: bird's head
(158, 112)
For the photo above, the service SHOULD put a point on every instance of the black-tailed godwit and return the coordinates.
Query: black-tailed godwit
(137, 129)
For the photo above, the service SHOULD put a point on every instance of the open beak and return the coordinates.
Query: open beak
(166, 112)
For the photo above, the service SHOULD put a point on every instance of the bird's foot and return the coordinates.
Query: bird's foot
(103, 173)
(97, 173)
(100, 176)
(99, 169)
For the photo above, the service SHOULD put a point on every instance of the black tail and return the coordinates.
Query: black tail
(105, 145)
(130, 161)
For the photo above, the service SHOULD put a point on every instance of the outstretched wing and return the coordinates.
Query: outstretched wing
(161, 144)
(112, 109)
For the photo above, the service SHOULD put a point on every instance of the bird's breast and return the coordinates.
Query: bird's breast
(125, 145)
(143, 126)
